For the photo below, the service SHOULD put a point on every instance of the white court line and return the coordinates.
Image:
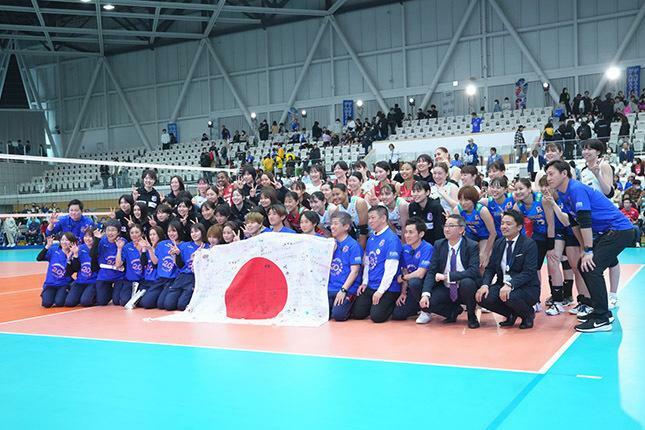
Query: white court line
(19, 291)
(262, 351)
(588, 376)
(576, 334)
(45, 316)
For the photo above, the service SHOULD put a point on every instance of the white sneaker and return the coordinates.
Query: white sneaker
(613, 300)
(424, 318)
(574, 310)
(555, 309)
(584, 310)
(537, 307)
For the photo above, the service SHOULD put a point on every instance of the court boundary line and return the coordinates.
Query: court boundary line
(556, 356)
(46, 315)
(264, 351)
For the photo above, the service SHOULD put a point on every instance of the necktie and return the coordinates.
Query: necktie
(509, 252)
(453, 285)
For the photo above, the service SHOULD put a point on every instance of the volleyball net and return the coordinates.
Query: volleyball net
(32, 187)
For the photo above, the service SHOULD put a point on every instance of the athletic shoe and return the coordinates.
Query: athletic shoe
(613, 300)
(594, 325)
(574, 310)
(555, 309)
(537, 307)
(592, 316)
(584, 311)
(424, 318)
(548, 302)
(567, 301)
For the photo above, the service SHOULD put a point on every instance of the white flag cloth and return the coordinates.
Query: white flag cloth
(271, 279)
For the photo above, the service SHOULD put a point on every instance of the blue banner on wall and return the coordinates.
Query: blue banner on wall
(172, 129)
(348, 110)
(521, 89)
(633, 81)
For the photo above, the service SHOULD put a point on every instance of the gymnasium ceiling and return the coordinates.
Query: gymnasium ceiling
(65, 27)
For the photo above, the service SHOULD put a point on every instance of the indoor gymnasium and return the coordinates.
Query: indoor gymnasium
(322, 214)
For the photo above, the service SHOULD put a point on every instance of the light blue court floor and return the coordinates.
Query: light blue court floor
(66, 383)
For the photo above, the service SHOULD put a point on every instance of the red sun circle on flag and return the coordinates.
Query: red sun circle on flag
(258, 291)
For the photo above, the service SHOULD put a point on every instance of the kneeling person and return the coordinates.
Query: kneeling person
(380, 288)
(514, 262)
(345, 276)
(453, 274)
(415, 261)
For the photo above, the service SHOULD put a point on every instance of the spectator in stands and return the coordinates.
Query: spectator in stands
(626, 153)
(634, 192)
(316, 131)
(584, 131)
(603, 129)
(631, 213)
(205, 137)
(263, 130)
(519, 144)
(165, 140)
(421, 114)
(624, 127)
(337, 127)
(206, 160)
(496, 106)
(433, 113)
(104, 172)
(10, 230)
(456, 162)
(535, 163)
(507, 104)
(475, 123)
(471, 157)
(565, 100)
(493, 157)
(314, 154)
(391, 121)
(173, 139)
(225, 134)
(398, 115)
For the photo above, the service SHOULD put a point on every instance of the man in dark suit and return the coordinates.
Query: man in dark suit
(514, 263)
(453, 275)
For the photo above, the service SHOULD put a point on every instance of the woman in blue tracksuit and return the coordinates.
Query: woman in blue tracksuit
(85, 263)
(131, 261)
(59, 271)
(181, 291)
(151, 281)
(109, 273)
(166, 252)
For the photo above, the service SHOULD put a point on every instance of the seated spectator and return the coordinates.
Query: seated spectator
(453, 275)
(631, 213)
(513, 263)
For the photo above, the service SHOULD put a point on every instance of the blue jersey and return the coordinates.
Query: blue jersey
(107, 255)
(412, 259)
(475, 227)
(150, 271)
(348, 253)
(497, 210)
(604, 215)
(282, 230)
(132, 261)
(67, 224)
(166, 267)
(57, 269)
(476, 124)
(379, 248)
(536, 215)
(187, 250)
(85, 274)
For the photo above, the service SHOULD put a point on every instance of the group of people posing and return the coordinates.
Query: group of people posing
(428, 239)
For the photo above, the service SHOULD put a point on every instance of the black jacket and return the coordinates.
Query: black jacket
(523, 269)
(469, 255)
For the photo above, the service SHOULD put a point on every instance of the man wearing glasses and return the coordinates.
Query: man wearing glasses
(453, 276)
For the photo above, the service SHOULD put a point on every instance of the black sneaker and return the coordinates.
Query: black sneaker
(584, 318)
(594, 325)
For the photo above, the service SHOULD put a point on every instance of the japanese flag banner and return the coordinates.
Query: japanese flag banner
(271, 279)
